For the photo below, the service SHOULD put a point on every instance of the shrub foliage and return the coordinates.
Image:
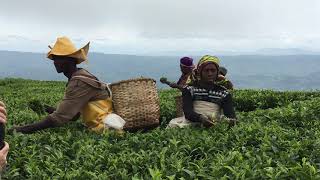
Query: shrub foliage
(277, 137)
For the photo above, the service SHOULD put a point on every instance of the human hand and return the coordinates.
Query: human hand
(3, 156)
(163, 80)
(49, 109)
(206, 121)
(232, 122)
(3, 113)
(221, 77)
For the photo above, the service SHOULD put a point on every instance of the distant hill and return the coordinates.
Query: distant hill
(286, 72)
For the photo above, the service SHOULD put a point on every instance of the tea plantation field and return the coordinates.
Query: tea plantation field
(277, 137)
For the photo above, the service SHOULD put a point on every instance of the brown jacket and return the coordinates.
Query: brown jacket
(78, 93)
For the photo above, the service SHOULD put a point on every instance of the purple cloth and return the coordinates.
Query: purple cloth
(187, 61)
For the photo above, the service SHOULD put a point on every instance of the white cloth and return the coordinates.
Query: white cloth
(211, 110)
(114, 121)
(181, 122)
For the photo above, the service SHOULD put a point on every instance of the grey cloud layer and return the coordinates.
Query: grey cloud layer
(221, 20)
(171, 18)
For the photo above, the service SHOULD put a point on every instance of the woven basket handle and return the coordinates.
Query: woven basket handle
(106, 84)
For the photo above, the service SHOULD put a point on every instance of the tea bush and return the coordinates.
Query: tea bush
(277, 137)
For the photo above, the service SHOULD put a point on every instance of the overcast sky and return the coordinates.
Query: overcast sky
(161, 26)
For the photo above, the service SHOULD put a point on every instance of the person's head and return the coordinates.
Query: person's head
(65, 55)
(186, 65)
(208, 69)
(223, 71)
(64, 64)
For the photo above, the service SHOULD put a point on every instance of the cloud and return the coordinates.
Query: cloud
(150, 23)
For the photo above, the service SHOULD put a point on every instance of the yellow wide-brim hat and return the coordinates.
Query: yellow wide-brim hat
(64, 47)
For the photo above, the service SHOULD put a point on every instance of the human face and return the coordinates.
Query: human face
(209, 73)
(186, 70)
(61, 63)
(59, 66)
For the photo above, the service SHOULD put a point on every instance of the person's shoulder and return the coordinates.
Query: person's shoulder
(85, 77)
(188, 89)
(221, 89)
(76, 83)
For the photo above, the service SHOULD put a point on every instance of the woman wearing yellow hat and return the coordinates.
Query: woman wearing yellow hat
(204, 99)
(82, 88)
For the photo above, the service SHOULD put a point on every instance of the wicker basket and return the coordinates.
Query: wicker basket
(179, 109)
(137, 102)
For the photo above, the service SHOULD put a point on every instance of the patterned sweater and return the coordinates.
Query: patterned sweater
(211, 93)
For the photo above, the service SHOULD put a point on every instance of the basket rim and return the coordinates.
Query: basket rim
(133, 79)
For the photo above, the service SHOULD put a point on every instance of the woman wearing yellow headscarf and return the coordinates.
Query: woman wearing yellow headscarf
(203, 100)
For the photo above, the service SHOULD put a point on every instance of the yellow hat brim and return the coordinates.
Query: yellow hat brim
(80, 54)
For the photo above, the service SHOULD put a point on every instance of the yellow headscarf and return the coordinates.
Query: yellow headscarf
(204, 61)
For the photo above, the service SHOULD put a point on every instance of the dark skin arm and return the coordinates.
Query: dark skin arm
(189, 112)
(171, 84)
(47, 122)
(229, 111)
